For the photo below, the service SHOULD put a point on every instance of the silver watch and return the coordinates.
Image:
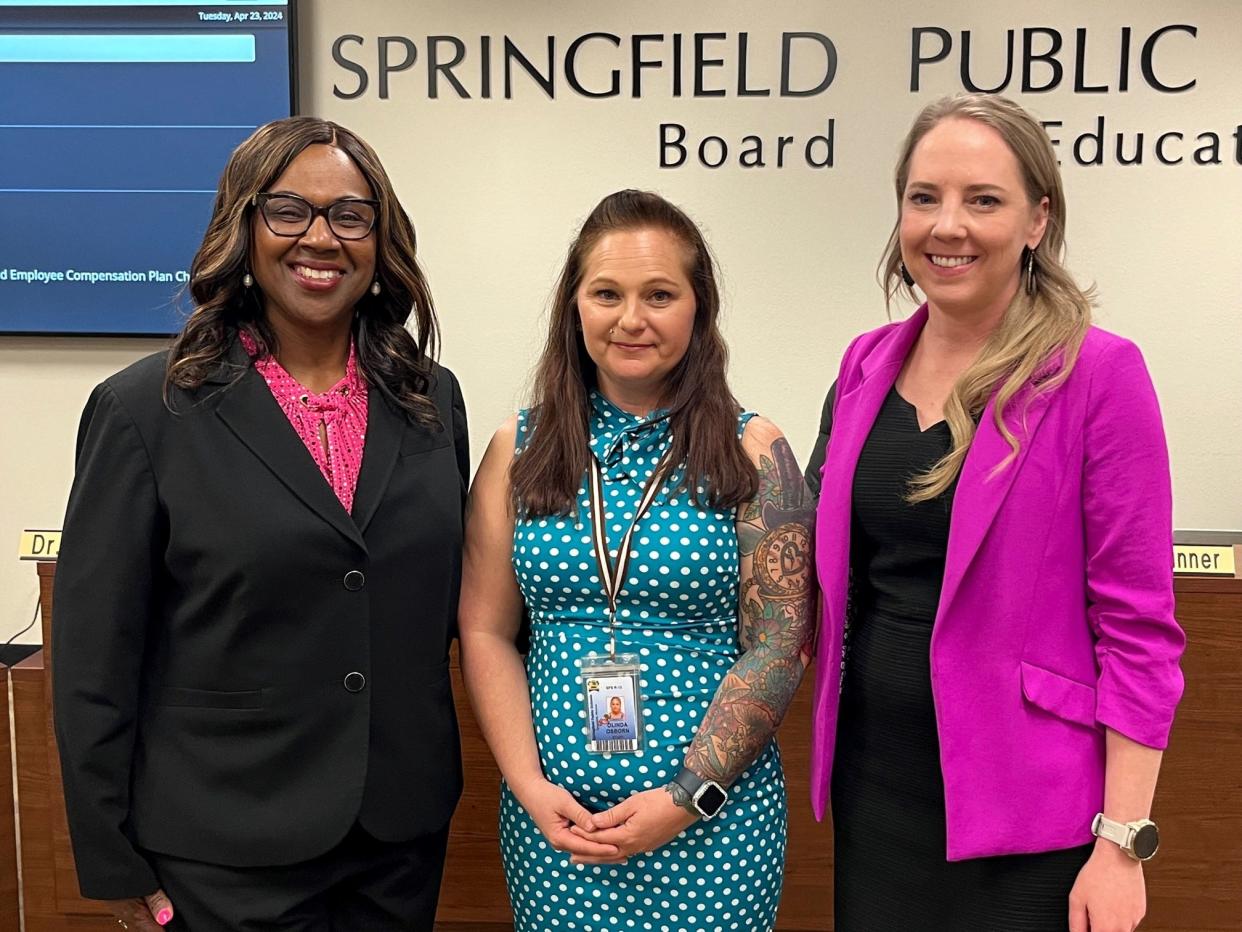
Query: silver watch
(707, 797)
(1139, 839)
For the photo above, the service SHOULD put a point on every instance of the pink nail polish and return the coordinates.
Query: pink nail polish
(164, 916)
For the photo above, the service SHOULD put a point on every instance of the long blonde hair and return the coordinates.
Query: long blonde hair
(1041, 327)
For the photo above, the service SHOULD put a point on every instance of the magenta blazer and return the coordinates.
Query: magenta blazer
(1056, 615)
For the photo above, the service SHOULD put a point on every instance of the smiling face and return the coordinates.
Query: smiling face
(312, 282)
(966, 218)
(637, 306)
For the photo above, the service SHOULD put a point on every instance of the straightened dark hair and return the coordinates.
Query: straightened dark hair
(703, 413)
(392, 359)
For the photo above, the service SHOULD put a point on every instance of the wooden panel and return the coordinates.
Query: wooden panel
(474, 885)
(806, 900)
(65, 875)
(47, 576)
(49, 886)
(1192, 885)
(9, 921)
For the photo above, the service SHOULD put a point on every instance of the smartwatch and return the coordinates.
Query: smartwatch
(707, 797)
(1139, 839)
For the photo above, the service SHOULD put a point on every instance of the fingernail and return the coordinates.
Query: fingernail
(164, 916)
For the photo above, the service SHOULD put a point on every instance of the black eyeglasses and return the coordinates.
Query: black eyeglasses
(290, 215)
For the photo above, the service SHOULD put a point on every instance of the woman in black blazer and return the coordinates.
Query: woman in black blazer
(252, 630)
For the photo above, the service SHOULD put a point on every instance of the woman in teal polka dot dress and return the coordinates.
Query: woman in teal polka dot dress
(635, 465)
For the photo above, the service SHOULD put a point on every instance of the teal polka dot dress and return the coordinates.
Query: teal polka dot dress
(678, 612)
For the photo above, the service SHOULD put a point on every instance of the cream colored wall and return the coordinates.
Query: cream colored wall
(497, 186)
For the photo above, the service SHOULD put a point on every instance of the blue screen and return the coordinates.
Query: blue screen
(116, 120)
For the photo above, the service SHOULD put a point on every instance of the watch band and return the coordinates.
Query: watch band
(688, 780)
(1116, 832)
(694, 786)
(1139, 839)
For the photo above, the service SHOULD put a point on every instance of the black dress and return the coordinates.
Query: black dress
(887, 787)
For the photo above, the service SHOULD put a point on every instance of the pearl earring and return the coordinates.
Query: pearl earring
(375, 288)
(247, 280)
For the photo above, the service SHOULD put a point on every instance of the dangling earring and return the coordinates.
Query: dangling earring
(247, 280)
(375, 288)
(906, 276)
(1030, 271)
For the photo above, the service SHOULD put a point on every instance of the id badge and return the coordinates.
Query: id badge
(613, 706)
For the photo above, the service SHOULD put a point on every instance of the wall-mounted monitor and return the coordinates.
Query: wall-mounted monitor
(116, 119)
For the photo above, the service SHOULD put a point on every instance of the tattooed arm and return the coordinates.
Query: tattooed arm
(775, 535)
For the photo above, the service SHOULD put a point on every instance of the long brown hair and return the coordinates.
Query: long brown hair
(389, 356)
(702, 410)
(1043, 325)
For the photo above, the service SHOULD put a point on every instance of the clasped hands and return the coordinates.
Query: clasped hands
(637, 824)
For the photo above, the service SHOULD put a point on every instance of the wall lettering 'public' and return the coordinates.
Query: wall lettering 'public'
(1044, 57)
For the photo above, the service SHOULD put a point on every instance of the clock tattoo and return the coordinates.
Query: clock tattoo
(781, 561)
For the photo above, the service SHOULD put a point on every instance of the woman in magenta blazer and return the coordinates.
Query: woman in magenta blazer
(998, 657)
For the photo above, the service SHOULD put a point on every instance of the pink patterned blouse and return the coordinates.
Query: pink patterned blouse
(341, 411)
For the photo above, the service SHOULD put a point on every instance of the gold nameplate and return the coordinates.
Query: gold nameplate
(1204, 560)
(39, 545)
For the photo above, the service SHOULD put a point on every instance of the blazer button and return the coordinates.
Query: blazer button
(355, 682)
(354, 580)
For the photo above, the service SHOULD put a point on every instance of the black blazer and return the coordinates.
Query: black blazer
(242, 669)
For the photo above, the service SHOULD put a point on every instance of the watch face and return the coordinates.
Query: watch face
(710, 799)
(1146, 841)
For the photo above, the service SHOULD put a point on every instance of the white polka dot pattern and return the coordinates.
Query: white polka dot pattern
(678, 611)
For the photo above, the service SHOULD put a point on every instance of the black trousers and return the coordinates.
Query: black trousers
(361, 885)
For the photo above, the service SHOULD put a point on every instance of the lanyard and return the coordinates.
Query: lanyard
(612, 575)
